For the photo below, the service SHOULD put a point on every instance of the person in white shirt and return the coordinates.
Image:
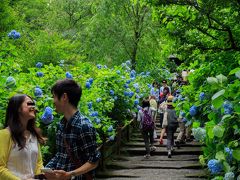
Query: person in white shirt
(20, 155)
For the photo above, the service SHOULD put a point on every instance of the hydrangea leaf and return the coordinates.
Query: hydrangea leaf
(212, 80)
(221, 78)
(218, 94)
(218, 131)
(236, 154)
(196, 124)
(220, 156)
(217, 103)
(226, 166)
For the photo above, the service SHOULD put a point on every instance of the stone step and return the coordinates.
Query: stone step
(161, 151)
(140, 143)
(152, 164)
(160, 158)
(153, 174)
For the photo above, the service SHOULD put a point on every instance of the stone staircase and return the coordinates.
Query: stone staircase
(129, 162)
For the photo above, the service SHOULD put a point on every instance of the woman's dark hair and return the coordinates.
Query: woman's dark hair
(167, 89)
(12, 121)
(145, 103)
(70, 87)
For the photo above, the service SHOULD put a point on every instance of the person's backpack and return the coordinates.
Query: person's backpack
(147, 123)
(172, 118)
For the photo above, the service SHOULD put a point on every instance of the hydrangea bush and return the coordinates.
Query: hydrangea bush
(105, 100)
(213, 111)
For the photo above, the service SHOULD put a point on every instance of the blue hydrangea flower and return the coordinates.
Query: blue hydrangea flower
(110, 128)
(132, 74)
(10, 82)
(201, 96)
(137, 90)
(123, 64)
(94, 113)
(184, 120)
(136, 102)
(126, 86)
(90, 80)
(99, 66)
(229, 154)
(182, 114)
(69, 75)
(193, 110)
(118, 72)
(136, 85)
(126, 93)
(98, 100)
(128, 81)
(131, 94)
(115, 98)
(39, 64)
(141, 74)
(228, 107)
(47, 116)
(139, 107)
(111, 138)
(199, 133)
(229, 176)
(215, 166)
(128, 62)
(38, 92)
(111, 92)
(39, 74)
(97, 120)
(89, 105)
(88, 85)
(147, 73)
(14, 34)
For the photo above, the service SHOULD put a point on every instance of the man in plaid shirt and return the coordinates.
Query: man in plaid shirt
(77, 152)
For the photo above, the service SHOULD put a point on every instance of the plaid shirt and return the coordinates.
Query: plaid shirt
(81, 138)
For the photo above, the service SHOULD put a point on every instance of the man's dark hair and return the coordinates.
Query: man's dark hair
(70, 87)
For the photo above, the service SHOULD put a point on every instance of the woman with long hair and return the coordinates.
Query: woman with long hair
(20, 156)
